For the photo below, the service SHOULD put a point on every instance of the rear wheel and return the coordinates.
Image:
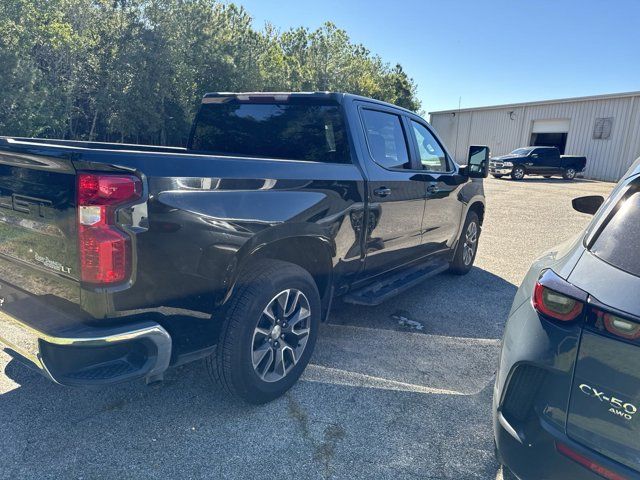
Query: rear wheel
(497, 176)
(517, 173)
(268, 333)
(569, 173)
(467, 245)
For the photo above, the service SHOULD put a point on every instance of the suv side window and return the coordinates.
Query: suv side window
(386, 139)
(619, 240)
(432, 156)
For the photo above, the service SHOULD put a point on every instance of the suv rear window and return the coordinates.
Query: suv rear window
(294, 131)
(619, 241)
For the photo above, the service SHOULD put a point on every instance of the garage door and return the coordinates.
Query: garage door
(551, 126)
(550, 133)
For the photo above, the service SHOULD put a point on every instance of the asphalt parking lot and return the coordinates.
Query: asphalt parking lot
(398, 391)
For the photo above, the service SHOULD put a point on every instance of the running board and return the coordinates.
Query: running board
(378, 292)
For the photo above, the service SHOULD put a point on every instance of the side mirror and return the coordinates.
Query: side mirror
(589, 204)
(478, 163)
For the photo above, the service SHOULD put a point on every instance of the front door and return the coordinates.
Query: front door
(443, 209)
(396, 193)
(533, 163)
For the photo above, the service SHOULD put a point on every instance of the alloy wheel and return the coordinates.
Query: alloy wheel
(470, 243)
(281, 335)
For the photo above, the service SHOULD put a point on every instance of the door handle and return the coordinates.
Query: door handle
(382, 192)
(431, 189)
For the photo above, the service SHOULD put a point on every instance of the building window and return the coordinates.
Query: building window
(602, 128)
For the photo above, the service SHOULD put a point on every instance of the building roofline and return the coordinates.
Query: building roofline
(542, 102)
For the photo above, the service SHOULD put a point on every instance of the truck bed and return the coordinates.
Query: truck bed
(573, 161)
(181, 237)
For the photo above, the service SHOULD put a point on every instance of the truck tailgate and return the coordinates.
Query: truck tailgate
(37, 212)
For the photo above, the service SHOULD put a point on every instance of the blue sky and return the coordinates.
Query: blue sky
(487, 52)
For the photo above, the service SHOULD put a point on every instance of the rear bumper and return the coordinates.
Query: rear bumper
(536, 457)
(70, 351)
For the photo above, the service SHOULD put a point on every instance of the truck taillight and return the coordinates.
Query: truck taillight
(105, 250)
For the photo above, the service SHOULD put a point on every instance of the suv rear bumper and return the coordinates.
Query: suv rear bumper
(70, 351)
(537, 456)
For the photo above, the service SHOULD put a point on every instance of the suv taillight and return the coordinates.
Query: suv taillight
(105, 250)
(556, 298)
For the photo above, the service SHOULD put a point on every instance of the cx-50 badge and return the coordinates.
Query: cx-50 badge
(616, 406)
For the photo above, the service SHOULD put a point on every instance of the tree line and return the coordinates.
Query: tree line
(135, 70)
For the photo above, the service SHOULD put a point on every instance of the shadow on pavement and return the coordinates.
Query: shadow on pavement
(184, 428)
(374, 403)
(475, 305)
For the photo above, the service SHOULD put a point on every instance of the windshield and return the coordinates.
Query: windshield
(619, 241)
(295, 131)
(521, 151)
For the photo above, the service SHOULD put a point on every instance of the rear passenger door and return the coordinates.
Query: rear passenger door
(550, 161)
(396, 194)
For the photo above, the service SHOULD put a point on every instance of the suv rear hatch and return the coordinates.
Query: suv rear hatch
(605, 396)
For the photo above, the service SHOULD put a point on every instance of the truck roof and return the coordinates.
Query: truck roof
(338, 97)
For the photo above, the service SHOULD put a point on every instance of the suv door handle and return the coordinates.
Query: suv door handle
(382, 192)
(431, 189)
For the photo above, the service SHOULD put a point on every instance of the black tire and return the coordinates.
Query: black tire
(497, 176)
(462, 264)
(569, 173)
(231, 365)
(517, 173)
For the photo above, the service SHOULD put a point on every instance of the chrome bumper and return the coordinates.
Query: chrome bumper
(34, 339)
(500, 170)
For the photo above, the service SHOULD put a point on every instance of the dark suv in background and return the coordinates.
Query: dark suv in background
(567, 392)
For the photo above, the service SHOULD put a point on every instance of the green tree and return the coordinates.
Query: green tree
(135, 70)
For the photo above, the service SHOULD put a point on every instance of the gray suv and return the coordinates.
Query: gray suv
(567, 391)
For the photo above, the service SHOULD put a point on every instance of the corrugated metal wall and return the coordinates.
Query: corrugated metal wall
(505, 129)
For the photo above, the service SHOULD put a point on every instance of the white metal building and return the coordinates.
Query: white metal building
(604, 128)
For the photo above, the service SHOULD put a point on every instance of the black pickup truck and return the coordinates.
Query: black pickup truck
(119, 261)
(545, 161)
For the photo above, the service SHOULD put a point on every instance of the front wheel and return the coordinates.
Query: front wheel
(517, 173)
(467, 245)
(569, 173)
(268, 332)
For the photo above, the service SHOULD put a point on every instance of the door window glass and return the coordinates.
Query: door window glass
(432, 157)
(386, 139)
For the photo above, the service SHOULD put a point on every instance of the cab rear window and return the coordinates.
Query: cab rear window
(308, 130)
(619, 241)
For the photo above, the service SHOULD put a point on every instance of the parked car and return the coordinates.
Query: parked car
(118, 261)
(567, 391)
(545, 161)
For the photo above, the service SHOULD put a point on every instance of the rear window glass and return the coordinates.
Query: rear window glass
(619, 241)
(292, 131)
